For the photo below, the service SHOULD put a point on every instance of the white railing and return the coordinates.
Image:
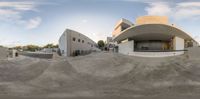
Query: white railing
(156, 54)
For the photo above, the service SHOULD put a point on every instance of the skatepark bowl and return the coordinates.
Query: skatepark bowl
(101, 75)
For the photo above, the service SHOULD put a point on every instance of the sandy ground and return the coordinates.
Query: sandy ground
(101, 76)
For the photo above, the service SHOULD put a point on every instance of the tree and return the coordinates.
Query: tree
(51, 46)
(55, 46)
(18, 48)
(31, 48)
(48, 46)
(101, 43)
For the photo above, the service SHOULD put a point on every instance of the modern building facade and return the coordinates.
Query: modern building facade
(73, 43)
(151, 36)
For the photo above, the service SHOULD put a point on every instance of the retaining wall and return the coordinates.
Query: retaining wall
(37, 55)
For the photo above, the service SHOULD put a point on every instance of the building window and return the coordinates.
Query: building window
(82, 41)
(74, 39)
(123, 28)
(79, 40)
(91, 45)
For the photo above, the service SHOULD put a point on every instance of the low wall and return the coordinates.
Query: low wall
(37, 55)
(156, 54)
(3, 53)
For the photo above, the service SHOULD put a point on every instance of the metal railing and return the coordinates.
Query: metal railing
(157, 53)
(160, 50)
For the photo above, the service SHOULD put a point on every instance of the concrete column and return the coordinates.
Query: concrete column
(178, 43)
(126, 47)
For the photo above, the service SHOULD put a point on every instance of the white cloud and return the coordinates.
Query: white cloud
(158, 8)
(187, 10)
(7, 12)
(34, 23)
(12, 12)
(9, 42)
(19, 5)
(189, 4)
(84, 21)
(177, 11)
(8, 15)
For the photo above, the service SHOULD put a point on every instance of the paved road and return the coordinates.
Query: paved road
(153, 97)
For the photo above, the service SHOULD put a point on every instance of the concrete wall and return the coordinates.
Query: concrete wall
(3, 53)
(37, 55)
(73, 42)
(178, 43)
(49, 50)
(126, 47)
(81, 43)
(63, 44)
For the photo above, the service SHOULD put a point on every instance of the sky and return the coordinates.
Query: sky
(40, 22)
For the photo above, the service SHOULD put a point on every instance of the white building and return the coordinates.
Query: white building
(72, 43)
(151, 36)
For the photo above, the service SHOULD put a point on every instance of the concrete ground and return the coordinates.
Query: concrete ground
(101, 76)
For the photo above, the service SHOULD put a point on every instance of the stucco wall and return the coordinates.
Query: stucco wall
(178, 43)
(126, 47)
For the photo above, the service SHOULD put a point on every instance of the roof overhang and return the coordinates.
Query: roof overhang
(152, 31)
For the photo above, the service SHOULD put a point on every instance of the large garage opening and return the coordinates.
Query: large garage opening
(153, 42)
(152, 45)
